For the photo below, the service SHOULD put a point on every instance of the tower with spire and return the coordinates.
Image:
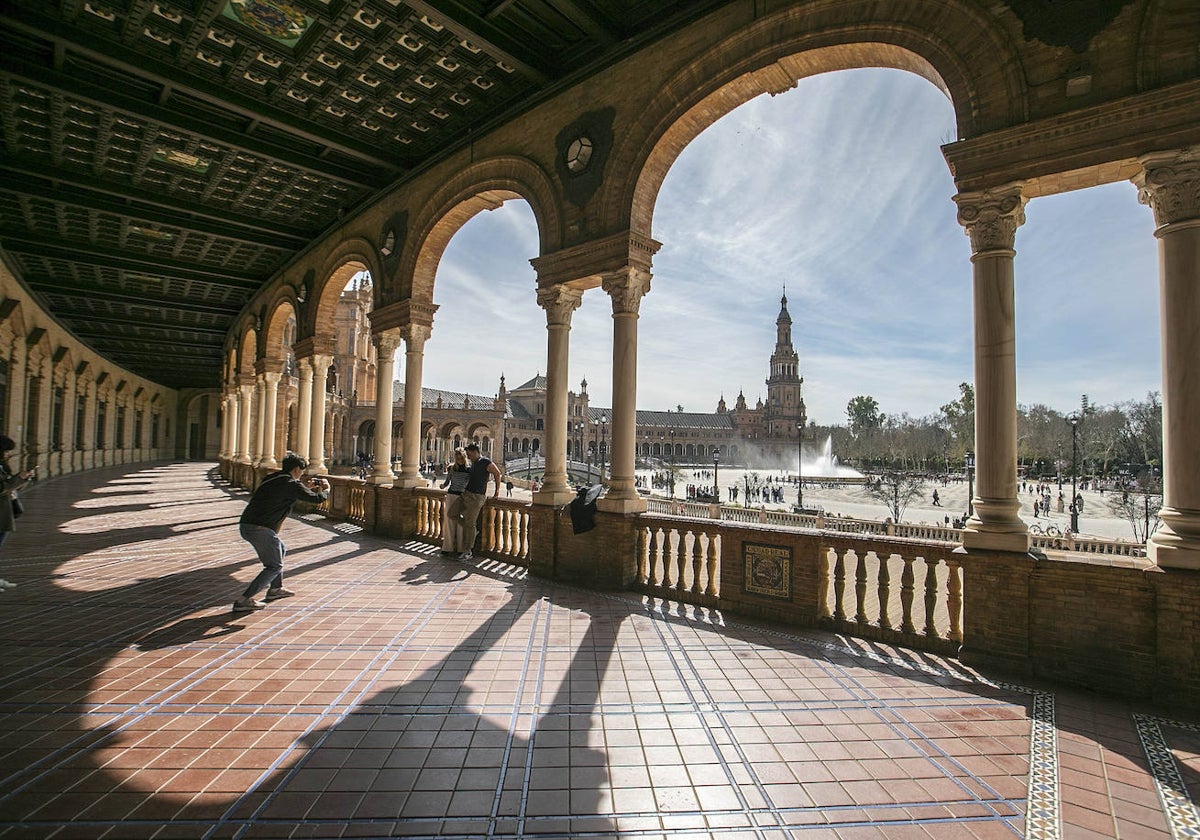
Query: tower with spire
(785, 406)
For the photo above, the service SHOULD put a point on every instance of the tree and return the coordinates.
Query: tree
(1139, 506)
(960, 416)
(863, 413)
(896, 490)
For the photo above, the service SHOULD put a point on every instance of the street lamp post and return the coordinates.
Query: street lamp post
(970, 463)
(1074, 419)
(1058, 467)
(601, 425)
(716, 483)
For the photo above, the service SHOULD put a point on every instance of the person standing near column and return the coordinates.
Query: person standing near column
(262, 520)
(482, 469)
(10, 483)
(457, 476)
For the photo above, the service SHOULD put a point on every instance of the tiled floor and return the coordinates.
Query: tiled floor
(401, 694)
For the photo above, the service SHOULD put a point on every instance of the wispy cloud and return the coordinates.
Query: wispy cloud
(839, 191)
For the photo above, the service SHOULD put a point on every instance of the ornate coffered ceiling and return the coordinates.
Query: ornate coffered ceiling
(162, 158)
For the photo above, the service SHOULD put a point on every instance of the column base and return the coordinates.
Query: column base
(609, 504)
(386, 479)
(1170, 550)
(554, 497)
(409, 482)
(975, 537)
(316, 469)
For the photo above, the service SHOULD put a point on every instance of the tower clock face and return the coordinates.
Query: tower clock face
(579, 154)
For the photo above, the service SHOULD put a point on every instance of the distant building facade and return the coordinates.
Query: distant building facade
(510, 425)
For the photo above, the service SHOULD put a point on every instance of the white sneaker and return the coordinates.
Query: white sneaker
(7, 584)
(242, 605)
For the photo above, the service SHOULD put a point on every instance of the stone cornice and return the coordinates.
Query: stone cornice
(313, 345)
(402, 314)
(583, 266)
(1099, 136)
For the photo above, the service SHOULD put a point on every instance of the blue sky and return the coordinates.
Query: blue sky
(839, 190)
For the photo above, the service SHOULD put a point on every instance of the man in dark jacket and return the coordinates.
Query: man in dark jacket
(262, 519)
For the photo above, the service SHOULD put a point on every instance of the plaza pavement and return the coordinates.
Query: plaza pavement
(402, 694)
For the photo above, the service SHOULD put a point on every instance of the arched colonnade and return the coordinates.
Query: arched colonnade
(595, 215)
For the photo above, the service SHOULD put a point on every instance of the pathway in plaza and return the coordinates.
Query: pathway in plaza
(402, 694)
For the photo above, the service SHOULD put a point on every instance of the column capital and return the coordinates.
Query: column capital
(321, 362)
(1169, 184)
(415, 335)
(305, 367)
(559, 302)
(272, 377)
(626, 288)
(387, 342)
(992, 216)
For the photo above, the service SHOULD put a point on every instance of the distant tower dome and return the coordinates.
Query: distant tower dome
(583, 384)
(721, 405)
(740, 405)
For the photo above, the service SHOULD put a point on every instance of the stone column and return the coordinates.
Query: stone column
(1170, 184)
(258, 432)
(415, 336)
(88, 455)
(246, 399)
(991, 219)
(386, 345)
(304, 406)
(316, 430)
(223, 451)
(626, 288)
(559, 302)
(271, 388)
(231, 421)
(67, 453)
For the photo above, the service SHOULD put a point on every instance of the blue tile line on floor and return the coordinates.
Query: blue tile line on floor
(542, 605)
(662, 629)
(868, 703)
(1181, 813)
(204, 671)
(416, 623)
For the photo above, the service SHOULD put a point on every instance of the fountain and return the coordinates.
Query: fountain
(825, 465)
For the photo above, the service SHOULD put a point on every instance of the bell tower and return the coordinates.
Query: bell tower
(785, 407)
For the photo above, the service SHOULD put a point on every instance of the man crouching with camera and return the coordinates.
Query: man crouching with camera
(262, 520)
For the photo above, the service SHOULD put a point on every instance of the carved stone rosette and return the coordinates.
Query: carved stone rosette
(991, 217)
(1169, 184)
(626, 288)
(559, 303)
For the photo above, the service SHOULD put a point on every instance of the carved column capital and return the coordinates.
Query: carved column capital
(415, 336)
(992, 217)
(387, 343)
(626, 288)
(1169, 184)
(559, 302)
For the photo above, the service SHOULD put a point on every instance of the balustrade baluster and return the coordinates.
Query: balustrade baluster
(823, 565)
(714, 552)
(839, 587)
(681, 561)
(954, 602)
(885, 591)
(860, 587)
(697, 563)
(643, 549)
(652, 578)
(906, 596)
(667, 559)
(931, 593)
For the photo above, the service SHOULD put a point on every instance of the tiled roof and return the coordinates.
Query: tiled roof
(450, 399)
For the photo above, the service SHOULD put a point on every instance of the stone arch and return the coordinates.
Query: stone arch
(484, 185)
(933, 40)
(347, 259)
(1166, 43)
(280, 310)
(247, 353)
(12, 325)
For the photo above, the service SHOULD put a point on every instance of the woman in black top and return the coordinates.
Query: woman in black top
(10, 483)
(457, 474)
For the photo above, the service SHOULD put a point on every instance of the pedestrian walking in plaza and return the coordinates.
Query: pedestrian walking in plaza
(482, 471)
(10, 505)
(457, 475)
(262, 521)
